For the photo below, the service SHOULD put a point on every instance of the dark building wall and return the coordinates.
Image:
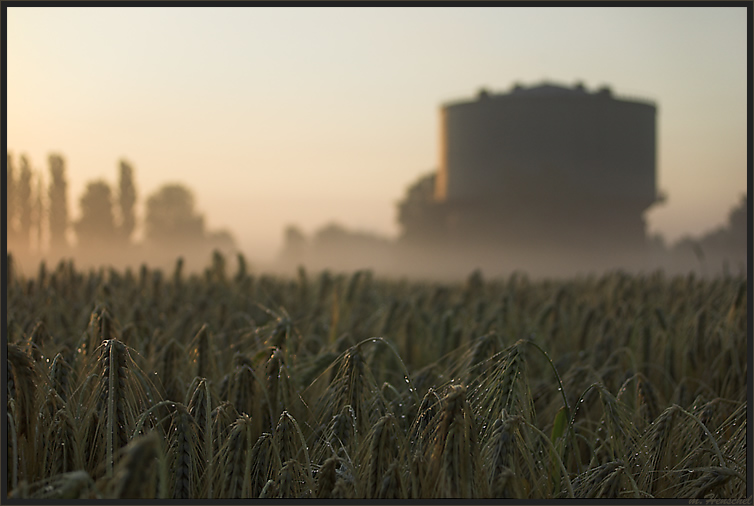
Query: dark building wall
(546, 164)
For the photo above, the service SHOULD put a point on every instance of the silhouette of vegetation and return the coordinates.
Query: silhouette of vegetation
(418, 213)
(11, 201)
(294, 245)
(221, 240)
(37, 228)
(173, 227)
(334, 246)
(171, 220)
(96, 228)
(126, 202)
(24, 204)
(38, 213)
(724, 246)
(58, 213)
(24, 213)
(424, 250)
(38, 222)
(737, 221)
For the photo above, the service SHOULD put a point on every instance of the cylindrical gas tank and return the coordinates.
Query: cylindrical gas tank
(548, 141)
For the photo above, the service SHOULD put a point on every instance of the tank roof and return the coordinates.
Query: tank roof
(549, 89)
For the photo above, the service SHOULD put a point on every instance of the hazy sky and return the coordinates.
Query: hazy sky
(279, 115)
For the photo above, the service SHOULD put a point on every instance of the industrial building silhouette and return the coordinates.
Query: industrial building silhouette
(549, 180)
(539, 174)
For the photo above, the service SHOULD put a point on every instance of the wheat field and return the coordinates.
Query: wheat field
(154, 384)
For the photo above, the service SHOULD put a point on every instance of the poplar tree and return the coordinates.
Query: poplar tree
(24, 204)
(11, 201)
(126, 202)
(58, 210)
(38, 217)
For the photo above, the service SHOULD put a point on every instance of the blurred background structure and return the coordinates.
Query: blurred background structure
(548, 179)
(545, 169)
(303, 128)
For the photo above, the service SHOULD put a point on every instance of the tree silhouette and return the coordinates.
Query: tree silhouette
(38, 216)
(418, 213)
(126, 202)
(334, 239)
(58, 214)
(294, 245)
(331, 235)
(171, 221)
(11, 201)
(737, 219)
(96, 228)
(24, 204)
(221, 240)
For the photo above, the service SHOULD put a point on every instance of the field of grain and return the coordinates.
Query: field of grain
(232, 384)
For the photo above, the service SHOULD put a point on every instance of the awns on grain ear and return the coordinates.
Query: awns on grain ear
(120, 394)
(140, 472)
(454, 464)
(22, 389)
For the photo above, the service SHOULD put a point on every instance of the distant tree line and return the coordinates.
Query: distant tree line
(423, 223)
(334, 246)
(39, 223)
(35, 223)
(726, 245)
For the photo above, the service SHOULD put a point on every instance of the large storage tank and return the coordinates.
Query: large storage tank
(585, 160)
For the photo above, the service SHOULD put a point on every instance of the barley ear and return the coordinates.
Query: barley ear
(326, 478)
